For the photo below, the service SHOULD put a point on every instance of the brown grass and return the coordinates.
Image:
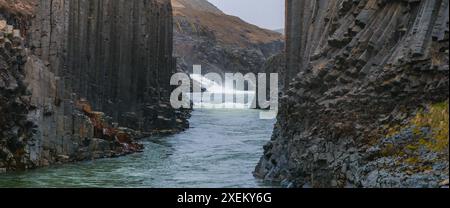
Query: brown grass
(227, 29)
(18, 7)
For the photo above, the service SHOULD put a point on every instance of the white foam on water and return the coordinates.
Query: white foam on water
(214, 89)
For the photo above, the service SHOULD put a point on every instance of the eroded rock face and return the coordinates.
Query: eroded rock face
(116, 54)
(220, 43)
(276, 64)
(96, 77)
(360, 67)
(15, 129)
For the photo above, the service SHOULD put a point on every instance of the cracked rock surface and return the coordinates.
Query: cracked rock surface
(355, 68)
(83, 79)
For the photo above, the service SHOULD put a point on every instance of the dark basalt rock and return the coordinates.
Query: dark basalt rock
(113, 56)
(15, 128)
(353, 69)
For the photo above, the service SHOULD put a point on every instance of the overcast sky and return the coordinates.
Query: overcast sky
(263, 13)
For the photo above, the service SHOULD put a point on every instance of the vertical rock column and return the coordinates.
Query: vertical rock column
(115, 53)
(120, 55)
(360, 68)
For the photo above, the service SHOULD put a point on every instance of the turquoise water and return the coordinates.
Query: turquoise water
(221, 149)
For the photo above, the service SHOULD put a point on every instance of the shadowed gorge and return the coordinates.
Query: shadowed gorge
(359, 89)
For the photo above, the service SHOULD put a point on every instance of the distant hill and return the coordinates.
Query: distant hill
(23, 7)
(220, 42)
(281, 31)
(201, 5)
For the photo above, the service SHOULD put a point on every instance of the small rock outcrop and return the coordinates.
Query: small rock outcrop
(366, 96)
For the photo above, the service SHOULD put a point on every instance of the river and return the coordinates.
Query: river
(220, 149)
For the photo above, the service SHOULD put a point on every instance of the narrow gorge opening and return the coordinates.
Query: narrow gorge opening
(88, 93)
(224, 140)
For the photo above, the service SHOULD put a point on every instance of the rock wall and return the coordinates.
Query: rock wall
(362, 72)
(116, 54)
(14, 105)
(97, 75)
(276, 64)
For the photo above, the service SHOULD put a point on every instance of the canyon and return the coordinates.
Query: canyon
(364, 102)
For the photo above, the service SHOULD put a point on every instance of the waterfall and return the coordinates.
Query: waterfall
(228, 94)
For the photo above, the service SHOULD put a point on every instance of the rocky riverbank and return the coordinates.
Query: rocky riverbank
(368, 102)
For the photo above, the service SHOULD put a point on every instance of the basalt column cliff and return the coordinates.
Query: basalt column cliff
(368, 106)
(81, 79)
